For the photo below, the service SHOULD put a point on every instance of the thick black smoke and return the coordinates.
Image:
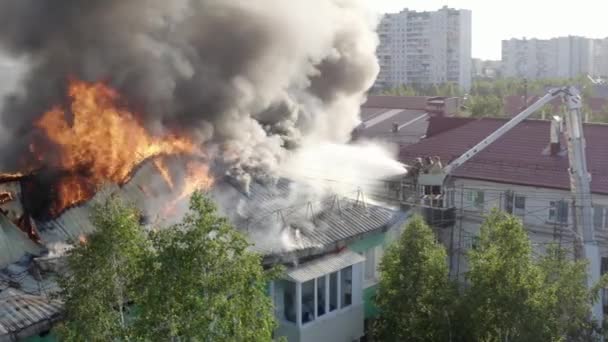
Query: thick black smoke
(249, 77)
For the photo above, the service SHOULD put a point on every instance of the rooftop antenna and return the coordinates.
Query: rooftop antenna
(281, 217)
(310, 209)
(360, 198)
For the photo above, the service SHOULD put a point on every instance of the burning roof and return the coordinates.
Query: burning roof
(278, 218)
(109, 84)
(144, 99)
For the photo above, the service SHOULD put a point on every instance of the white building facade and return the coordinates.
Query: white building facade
(546, 213)
(563, 57)
(425, 48)
(600, 56)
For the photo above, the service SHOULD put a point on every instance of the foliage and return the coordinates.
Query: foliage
(514, 297)
(485, 106)
(195, 281)
(201, 283)
(103, 271)
(486, 97)
(511, 295)
(503, 299)
(414, 295)
(566, 300)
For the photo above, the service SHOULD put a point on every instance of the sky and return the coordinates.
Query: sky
(495, 20)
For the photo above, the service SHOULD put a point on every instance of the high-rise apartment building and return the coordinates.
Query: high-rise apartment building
(425, 48)
(563, 57)
(600, 57)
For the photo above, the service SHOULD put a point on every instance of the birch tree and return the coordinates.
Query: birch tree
(102, 272)
(201, 283)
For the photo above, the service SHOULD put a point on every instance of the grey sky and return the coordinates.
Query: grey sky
(494, 20)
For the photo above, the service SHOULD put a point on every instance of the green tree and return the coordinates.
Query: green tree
(415, 295)
(485, 106)
(566, 301)
(101, 276)
(200, 283)
(503, 300)
(515, 297)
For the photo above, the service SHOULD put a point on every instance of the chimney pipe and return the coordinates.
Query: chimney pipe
(554, 135)
(395, 127)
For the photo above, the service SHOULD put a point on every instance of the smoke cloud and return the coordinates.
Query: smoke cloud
(251, 79)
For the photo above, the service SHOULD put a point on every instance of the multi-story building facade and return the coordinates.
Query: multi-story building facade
(563, 57)
(524, 173)
(425, 48)
(600, 57)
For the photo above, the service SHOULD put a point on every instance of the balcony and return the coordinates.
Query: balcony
(321, 300)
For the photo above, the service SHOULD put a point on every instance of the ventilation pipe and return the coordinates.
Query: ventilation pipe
(555, 133)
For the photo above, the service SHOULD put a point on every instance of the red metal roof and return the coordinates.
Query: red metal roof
(438, 125)
(521, 156)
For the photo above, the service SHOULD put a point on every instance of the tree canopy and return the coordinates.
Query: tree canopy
(194, 281)
(414, 295)
(511, 294)
(102, 276)
(201, 283)
(486, 97)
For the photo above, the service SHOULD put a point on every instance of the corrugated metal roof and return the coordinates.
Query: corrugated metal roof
(14, 244)
(261, 212)
(324, 265)
(306, 223)
(19, 310)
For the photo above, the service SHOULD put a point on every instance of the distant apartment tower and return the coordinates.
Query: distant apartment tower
(425, 48)
(563, 57)
(600, 57)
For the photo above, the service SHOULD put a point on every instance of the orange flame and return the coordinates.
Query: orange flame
(196, 178)
(102, 143)
(164, 172)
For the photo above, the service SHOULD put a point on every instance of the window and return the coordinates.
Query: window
(289, 301)
(475, 199)
(333, 291)
(558, 212)
(599, 217)
(308, 301)
(373, 257)
(519, 205)
(346, 288)
(370, 264)
(321, 295)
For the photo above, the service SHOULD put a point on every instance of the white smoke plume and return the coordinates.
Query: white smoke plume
(251, 79)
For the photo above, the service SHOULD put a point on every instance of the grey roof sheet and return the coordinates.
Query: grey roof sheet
(274, 216)
(324, 265)
(19, 310)
(378, 124)
(14, 244)
(307, 223)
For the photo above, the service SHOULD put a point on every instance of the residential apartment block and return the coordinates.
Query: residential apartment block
(330, 248)
(563, 57)
(425, 48)
(600, 56)
(523, 173)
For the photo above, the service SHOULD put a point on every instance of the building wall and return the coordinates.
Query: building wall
(563, 57)
(376, 244)
(542, 232)
(425, 48)
(600, 47)
(346, 327)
